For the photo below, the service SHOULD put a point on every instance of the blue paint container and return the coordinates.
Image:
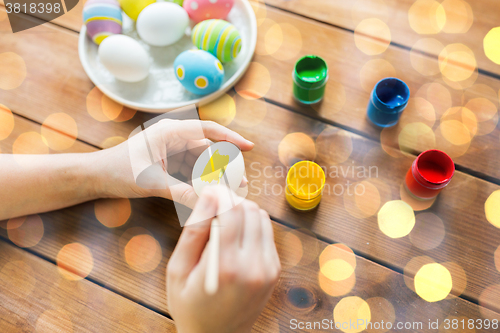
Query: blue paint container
(387, 101)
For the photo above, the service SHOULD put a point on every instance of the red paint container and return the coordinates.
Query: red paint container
(429, 174)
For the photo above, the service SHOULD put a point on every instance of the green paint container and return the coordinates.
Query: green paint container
(309, 79)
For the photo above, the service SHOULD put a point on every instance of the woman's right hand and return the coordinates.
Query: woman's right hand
(248, 272)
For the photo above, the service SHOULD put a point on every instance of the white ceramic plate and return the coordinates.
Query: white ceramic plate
(161, 91)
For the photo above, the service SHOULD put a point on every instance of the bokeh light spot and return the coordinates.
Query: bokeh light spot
(458, 277)
(292, 248)
(412, 267)
(54, 321)
(350, 310)
(103, 109)
(459, 16)
(249, 112)
(337, 262)
(337, 270)
(372, 36)
(416, 137)
(283, 41)
(373, 71)
(455, 132)
(334, 145)
(26, 231)
(482, 108)
(433, 282)
(30, 143)
(112, 212)
(143, 253)
(12, 70)
(457, 62)
(424, 64)
(260, 11)
(492, 208)
(426, 17)
(293, 251)
(491, 44)
(381, 311)
(75, 261)
(489, 299)
(296, 147)
(6, 122)
(60, 131)
(418, 110)
(428, 232)
(396, 219)
(222, 110)
(255, 83)
(363, 200)
(336, 288)
(416, 204)
(18, 277)
(110, 108)
(112, 141)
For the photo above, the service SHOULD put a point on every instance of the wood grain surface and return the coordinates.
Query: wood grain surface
(34, 297)
(285, 132)
(467, 22)
(346, 97)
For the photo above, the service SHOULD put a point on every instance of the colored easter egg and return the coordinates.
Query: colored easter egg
(102, 18)
(134, 7)
(218, 37)
(200, 10)
(199, 71)
(162, 23)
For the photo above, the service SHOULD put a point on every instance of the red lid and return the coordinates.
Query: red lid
(433, 169)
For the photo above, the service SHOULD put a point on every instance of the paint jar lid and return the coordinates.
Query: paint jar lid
(433, 169)
(391, 95)
(313, 180)
(310, 72)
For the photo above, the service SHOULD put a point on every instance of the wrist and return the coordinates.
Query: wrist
(96, 175)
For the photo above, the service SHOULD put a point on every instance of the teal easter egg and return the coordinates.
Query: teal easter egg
(218, 37)
(199, 71)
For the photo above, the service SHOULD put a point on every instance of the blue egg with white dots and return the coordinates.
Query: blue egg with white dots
(199, 71)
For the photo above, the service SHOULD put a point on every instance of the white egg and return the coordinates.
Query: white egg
(125, 58)
(162, 23)
(207, 169)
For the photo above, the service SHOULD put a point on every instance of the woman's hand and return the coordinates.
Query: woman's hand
(138, 167)
(249, 268)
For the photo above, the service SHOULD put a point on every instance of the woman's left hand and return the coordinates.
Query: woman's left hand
(138, 167)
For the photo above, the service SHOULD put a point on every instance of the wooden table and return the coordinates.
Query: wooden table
(126, 293)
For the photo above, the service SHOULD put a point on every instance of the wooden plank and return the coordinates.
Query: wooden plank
(466, 22)
(459, 208)
(299, 295)
(345, 102)
(35, 297)
(322, 227)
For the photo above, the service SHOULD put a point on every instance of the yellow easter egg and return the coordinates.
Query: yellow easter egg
(134, 7)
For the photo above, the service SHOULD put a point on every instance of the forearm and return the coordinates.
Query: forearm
(32, 184)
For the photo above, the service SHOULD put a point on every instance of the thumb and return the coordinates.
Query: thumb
(194, 238)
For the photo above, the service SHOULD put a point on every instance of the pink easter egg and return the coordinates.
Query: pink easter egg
(199, 10)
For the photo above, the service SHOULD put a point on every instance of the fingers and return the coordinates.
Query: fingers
(182, 193)
(268, 244)
(252, 236)
(218, 132)
(193, 239)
